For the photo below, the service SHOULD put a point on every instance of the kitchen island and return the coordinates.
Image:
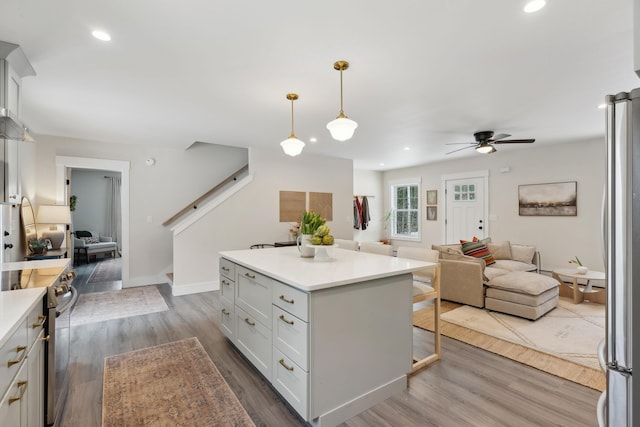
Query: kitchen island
(333, 338)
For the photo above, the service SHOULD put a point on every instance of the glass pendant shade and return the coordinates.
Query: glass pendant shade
(342, 128)
(292, 146)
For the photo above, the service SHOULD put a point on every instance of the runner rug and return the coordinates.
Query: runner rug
(100, 306)
(174, 384)
(107, 270)
(564, 342)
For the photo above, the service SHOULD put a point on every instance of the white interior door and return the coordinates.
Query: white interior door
(466, 212)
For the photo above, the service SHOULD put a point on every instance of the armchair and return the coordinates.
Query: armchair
(85, 243)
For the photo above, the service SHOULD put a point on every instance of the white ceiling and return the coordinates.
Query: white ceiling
(423, 73)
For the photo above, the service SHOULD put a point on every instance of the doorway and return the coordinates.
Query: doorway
(466, 206)
(63, 166)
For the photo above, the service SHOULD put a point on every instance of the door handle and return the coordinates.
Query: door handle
(480, 228)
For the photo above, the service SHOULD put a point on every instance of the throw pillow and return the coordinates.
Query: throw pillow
(91, 239)
(500, 250)
(477, 250)
(523, 253)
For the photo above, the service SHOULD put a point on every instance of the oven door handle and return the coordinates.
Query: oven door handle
(68, 305)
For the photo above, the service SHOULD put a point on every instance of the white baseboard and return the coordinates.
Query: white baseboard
(194, 288)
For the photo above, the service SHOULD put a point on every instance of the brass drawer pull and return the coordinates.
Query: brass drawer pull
(225, 269)
(250, 276)
(224, 282)
(225, 312)
(249, 322)
(290, 301)
(288, 368)
(41, 319)
(23, 387)
(289, 322)
(19, 349)
(47, 338)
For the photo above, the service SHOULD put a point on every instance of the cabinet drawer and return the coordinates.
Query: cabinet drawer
(228, 321)
(253, 294)
(35, 323)
(227, 268)
(292, 300)
(254, 341)
(13, 352)
(291, 336)
(227, 290)
(291, 381)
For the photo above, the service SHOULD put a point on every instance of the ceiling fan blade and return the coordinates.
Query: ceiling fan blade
(499, 136)
(459, 149)
(514, 141)
(457, 143)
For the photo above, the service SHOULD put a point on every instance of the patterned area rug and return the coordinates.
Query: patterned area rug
(570, 331)
(107, 270)
(174, 384)
(484, 330)
(100, 306)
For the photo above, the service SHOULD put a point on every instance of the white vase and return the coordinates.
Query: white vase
(305, 251)
(582, 269)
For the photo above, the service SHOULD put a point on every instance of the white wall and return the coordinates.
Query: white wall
(369, 183)
(252, 215)
(91, 189)
(156, 192)
(557, 238)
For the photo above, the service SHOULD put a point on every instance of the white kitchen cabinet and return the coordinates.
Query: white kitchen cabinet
(12, 189)
(22, 380)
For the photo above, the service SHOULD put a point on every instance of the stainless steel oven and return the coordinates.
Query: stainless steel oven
(61, 296)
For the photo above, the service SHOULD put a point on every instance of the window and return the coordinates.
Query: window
(405, 202)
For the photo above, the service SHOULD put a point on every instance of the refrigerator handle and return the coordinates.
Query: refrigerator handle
(601, 409)
(602, 355)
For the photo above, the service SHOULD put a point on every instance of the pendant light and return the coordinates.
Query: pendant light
(342, 127)
(292, 145)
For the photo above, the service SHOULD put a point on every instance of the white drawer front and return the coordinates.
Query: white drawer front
(291, 381)
(228, 321)
(227, 268)
(254, 340)
(227, 290)
(12, 353)
(292, 300)
(291, 336)
(253, 294)
(35, 323)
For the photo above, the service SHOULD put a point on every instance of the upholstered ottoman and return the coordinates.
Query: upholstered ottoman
(524, 294)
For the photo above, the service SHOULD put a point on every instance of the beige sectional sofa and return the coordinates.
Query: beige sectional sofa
(464, 278)
(510, 285)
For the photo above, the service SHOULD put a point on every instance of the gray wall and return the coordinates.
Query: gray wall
(91, 189)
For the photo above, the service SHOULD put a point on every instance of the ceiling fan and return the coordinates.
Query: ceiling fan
(486, 139)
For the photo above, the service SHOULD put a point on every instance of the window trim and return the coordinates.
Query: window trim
(392, 199)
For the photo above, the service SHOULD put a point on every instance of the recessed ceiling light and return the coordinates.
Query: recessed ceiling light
(534, 5)
(381, 164)
(313, 139)
(602, 106)
(407, 148)
(101, 35)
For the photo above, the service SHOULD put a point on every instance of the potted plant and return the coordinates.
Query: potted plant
(37, 247)
(309, 224)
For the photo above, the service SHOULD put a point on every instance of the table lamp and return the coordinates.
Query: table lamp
(54, 215)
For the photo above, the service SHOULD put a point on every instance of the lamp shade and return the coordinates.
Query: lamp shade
(342, 128)
(54, 214)
(485, 148)
(292, 146)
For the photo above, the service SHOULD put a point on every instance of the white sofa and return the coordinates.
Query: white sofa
(84, 243)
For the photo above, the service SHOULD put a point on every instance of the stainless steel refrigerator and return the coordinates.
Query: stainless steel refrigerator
(621, 232)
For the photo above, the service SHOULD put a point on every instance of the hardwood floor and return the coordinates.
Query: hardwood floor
(468, 387)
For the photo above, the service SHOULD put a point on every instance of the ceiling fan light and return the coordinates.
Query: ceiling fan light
(485, 148)
(292, 146)
(342, 128)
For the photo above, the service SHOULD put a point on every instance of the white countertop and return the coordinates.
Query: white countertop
(286, 265)
(14, 305)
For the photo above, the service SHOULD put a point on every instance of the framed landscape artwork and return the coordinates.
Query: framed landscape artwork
(553, 199)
